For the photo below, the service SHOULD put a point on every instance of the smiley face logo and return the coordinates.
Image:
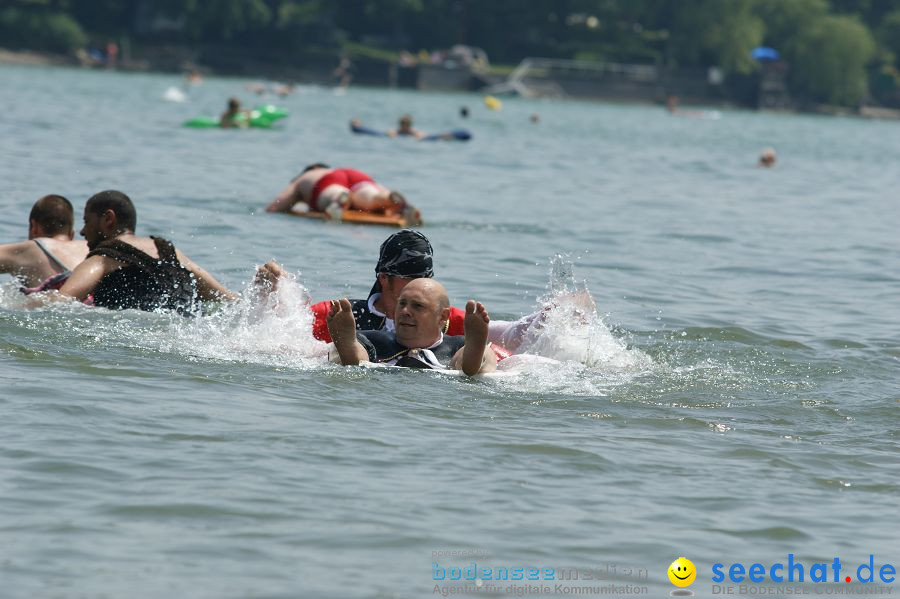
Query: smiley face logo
(682, 572)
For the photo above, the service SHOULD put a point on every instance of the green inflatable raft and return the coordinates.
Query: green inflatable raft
(261, 116)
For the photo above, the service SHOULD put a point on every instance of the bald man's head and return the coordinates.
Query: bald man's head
(423, 308)
(432, 289)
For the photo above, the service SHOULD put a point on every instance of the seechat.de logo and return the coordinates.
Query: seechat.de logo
(795, 571)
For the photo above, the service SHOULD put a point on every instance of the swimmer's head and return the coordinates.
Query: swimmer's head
(421, 313)
(407, 254)
(406, 121)
(404, 256)
(107, 214)
(767, 157)
(313, 166)
(50, 216)
(234, 104)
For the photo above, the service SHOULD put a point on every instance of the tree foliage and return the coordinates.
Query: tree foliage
(827, 42)
(830, 58)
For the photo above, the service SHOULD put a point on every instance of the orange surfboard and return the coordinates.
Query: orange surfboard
(362, 217)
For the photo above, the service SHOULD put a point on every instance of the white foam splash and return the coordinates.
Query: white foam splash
(565, 347)
(275, 331)
(570, 328)
(174, 94)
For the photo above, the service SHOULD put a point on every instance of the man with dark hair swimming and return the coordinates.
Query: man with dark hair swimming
(48, 257)
(124, 271)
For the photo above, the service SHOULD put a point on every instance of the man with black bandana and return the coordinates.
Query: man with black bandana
(403, 257)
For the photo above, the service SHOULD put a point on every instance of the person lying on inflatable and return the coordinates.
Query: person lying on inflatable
(405, 129)
(320, 188)
(234, 115)
(418, 341)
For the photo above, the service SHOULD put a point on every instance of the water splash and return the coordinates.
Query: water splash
(275, 331)
(568, 327)
(564, 346)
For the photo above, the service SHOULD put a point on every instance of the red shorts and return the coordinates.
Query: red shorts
(345, 177)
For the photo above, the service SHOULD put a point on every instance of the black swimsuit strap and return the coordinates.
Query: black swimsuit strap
(166, 251)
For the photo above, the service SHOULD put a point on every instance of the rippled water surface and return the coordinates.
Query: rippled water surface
(735, 398)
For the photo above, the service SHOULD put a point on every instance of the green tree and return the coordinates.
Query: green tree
(39, 26)
(715, 32)
(785, 19)
(889, 32)
(217, 20)
(829, 60)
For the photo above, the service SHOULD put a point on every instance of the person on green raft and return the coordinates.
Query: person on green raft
(235, 116)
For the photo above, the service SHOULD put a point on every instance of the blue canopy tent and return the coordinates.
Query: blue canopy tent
(763, 53)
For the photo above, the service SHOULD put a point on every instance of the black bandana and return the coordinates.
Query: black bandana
(407, 254)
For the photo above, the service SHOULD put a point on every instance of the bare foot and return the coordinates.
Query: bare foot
(342, 328)
(476, 322)
(476, 354)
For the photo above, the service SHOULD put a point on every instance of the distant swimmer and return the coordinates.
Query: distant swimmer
(257, 88)
(672, 104)
(234, 116)
(673, 109)
(320, 188)
(405, 129)
(535, 118)
(125, 271)
(48, 257)
(193, 77)
(767, 158)
(284, 90)
(418, 341)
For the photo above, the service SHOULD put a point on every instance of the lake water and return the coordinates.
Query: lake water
(735, 399)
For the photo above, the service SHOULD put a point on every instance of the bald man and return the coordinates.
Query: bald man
(417, 341)
(48, 257)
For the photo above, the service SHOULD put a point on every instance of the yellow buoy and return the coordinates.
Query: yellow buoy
(493, 103)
